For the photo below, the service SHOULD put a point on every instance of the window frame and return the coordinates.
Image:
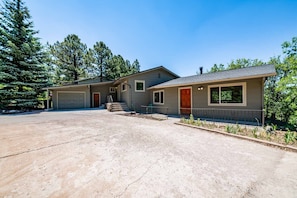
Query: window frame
(244, 95)
(139, 81)
(125, 85)
(112, 89)
(159, 91)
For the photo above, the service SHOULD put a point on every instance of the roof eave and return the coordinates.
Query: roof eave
(118, 81)
(213, 81)
(79, 85)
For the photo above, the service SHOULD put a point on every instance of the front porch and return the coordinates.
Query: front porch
(240, 116)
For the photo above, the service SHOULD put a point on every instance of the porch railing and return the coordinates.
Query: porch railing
(244, 116)
(109, 99)
(154, 110)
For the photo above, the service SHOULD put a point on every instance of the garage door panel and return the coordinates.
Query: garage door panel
(71, 100)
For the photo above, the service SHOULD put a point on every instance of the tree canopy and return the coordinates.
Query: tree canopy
(68, 58)
(22, 69)
(72, 61)
(98, 60)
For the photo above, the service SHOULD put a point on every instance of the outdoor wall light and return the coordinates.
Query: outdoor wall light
(200, 88)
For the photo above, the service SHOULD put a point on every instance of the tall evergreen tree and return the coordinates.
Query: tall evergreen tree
(135, 67)
(116, 68)
(68, 59)
(22, 74)
(98, 59)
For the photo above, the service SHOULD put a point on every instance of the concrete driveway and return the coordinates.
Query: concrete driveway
(94, 153)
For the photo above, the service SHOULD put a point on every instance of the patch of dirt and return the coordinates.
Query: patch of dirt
(158, 117)
(276, 136)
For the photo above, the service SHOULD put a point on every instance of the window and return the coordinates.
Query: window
(112, 89)
(227, 94)
(124, 86)
(139, 86)
(158, 97)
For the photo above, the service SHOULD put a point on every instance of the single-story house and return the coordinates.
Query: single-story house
(233, 94)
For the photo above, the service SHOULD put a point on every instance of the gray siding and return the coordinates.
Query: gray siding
(143, 98)
(125, 95)
(104, 92)
(88, 90)
(254, 99)
(170, 101)
(84, 89)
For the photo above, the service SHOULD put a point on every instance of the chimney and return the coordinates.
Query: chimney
(201, 70)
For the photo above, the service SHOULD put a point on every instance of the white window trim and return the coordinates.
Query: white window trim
(159, 103)
(123, 90)
(112, 89)
(244, 96)
(139, 81)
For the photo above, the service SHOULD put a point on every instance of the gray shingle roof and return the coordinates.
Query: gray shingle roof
(228, 75)
(146, 71)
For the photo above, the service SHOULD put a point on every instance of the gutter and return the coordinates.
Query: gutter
(208, 82)
(80, 85)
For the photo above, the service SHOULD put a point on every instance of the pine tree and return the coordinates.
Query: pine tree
(116, 68)
(69, 59)
(22, 74)
(135, 67)
(98, 60)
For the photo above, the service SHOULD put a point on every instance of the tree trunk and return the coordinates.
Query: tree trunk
(101, 70)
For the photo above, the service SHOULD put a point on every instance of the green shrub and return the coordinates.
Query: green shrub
(255, 132)
(238, 128)
(198, 122)
(231, 129)
(290, 137)
(191, 120)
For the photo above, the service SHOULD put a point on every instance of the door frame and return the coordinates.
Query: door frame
(93, 104)
(180, 88)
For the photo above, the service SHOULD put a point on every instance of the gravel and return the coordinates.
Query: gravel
(96, 153)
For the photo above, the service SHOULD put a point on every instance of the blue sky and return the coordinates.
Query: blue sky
(181, 35)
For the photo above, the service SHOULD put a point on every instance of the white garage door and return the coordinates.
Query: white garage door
(70, 100)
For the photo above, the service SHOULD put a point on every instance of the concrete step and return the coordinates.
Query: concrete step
(117, 106)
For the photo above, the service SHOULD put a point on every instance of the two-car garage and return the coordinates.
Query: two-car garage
(71, 100)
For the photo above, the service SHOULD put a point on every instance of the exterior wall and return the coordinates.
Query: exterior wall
(170, 101)
(84, 89)
(104, 92)
(134, 99)
(254, 99)
(254, 95)
(125, 95)
(88, 90)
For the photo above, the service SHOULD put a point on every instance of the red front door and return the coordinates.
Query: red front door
(96, 100)
(185, 101)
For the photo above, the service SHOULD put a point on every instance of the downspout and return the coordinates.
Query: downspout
(47, 99)
(130, 87)
(263, 110)
(132, 106)
(91, 96)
